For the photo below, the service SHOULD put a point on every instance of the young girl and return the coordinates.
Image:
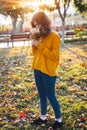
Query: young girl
(46, 59)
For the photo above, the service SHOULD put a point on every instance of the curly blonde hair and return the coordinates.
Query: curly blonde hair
(44, 21)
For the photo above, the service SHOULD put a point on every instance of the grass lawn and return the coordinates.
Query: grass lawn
(19, 101)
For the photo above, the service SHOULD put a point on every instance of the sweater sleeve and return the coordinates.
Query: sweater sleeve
(53, 54)
(34, 49)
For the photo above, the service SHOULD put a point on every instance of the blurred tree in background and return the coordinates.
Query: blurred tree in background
(81, 6)
(14, 9)
(65, 5)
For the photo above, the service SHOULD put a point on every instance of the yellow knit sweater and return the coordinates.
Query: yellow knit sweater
(46, 54)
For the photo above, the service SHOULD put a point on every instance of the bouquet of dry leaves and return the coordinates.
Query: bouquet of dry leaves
(35, 33)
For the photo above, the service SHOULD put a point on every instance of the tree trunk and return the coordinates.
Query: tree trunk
(2, 29)
(63, 30)
(20, 25)
(14, 31)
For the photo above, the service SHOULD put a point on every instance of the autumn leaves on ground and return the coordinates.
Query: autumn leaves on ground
(19, 101)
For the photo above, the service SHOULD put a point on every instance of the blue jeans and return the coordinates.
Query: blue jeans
(46, 89)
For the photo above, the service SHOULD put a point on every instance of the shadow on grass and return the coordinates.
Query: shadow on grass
(70, 47)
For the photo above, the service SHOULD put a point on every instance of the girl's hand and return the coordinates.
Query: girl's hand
(34, 43)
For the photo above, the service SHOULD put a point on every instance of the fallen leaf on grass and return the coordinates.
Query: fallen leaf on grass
(22, 114)
(83, 118)
(74, 90)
